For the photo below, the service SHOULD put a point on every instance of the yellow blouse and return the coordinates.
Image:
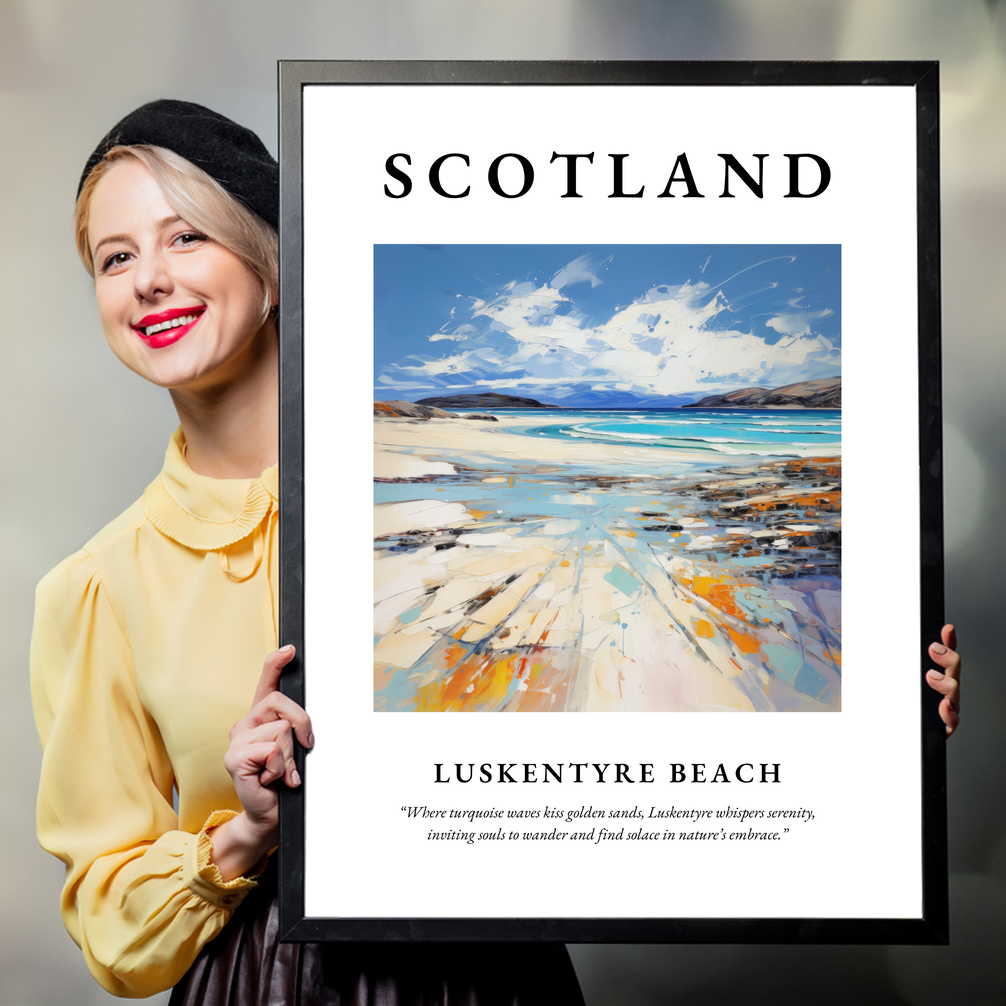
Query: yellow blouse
(147, 647)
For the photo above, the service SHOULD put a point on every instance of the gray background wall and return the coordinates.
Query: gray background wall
(81, 436)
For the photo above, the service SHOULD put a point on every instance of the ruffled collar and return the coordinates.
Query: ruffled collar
(203, 513)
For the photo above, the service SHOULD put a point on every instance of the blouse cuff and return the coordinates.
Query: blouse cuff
(202, 876)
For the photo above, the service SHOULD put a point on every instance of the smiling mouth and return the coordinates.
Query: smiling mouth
(185, 319)
(165, 324)
(167, 327)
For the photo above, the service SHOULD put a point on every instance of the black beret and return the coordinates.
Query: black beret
(230, 154)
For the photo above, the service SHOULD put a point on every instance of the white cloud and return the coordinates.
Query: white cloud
(798, 323)
(457, 335)
(580, 270)
(669, 341)
(457, 364)
(520, 304)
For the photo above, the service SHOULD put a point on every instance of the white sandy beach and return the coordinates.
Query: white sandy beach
(486, 442)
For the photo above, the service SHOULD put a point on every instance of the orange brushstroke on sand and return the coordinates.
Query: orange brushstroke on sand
(482, 680)
(703, 629)
(546, 691)
(745, 643)
(722, 595)
(718, 590)
(452, 654)
(831, 466)
(809, 499)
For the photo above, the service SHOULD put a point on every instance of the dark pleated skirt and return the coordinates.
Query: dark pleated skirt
(246, 965)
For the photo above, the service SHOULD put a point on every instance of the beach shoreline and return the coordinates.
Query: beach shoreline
(475, 442)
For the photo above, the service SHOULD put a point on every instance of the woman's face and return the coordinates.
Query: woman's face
(177, 308)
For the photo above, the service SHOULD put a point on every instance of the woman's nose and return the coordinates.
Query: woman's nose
(152, 277)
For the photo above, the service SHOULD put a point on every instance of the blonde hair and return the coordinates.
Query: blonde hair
(199, 200)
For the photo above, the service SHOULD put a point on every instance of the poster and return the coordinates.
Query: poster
(622, 365)
(638, 557)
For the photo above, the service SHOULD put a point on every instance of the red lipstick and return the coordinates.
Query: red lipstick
(165, 333)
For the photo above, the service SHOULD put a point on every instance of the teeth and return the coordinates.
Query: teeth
(174, 323)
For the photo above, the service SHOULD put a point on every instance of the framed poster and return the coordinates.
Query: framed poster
(633, 369)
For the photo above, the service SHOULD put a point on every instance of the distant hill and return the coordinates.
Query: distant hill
(823, 394)
(488, 400)
(410, 410)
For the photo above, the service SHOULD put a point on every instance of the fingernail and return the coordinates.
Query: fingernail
(287, 649)
(310, 740)
(936, 675)
(295, 777)
(938, 648)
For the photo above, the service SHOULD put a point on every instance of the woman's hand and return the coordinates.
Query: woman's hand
(947, 682)
(260, 753)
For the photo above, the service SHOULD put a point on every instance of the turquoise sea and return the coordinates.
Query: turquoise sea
(774, 433)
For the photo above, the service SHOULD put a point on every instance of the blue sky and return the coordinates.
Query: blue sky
(612, 325)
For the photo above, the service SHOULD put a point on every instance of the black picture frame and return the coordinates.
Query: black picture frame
(931, 927)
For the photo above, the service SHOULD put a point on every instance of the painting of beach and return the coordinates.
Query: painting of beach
(607, 478)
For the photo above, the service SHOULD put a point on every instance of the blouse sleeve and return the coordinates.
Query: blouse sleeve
(141, 898)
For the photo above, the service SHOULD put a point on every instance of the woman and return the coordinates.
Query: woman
(148, 643)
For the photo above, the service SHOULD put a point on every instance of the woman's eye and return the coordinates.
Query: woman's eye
(114, 261)
(190, 238)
